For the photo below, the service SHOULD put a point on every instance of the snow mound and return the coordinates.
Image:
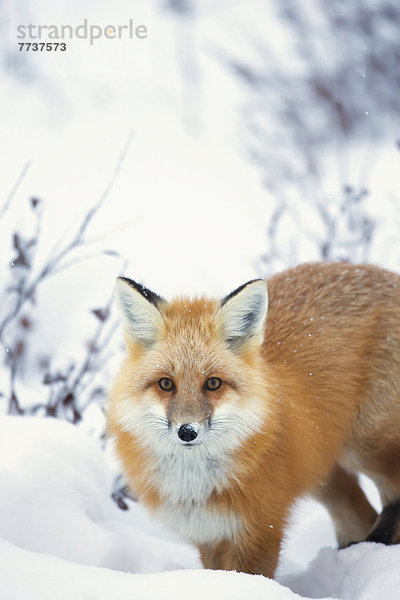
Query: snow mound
(361, 572)
(33, 576)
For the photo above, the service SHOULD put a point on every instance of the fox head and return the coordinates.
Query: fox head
(191, 377)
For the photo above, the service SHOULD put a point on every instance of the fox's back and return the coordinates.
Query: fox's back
(334, 330)
(329, 315)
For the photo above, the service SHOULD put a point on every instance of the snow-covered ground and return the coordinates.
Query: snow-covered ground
(62, 536)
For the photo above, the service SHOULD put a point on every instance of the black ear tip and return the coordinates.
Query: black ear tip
(130, 282)
(144, 291)
(239, 289)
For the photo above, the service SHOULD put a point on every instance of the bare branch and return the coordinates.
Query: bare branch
(14, 190)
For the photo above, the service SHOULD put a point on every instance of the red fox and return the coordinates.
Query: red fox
(225, 412)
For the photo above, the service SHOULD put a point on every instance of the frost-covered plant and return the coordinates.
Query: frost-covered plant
(69, 390)
(340, 229)
(303, 117)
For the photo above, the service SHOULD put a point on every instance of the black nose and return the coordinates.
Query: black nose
(187, 433)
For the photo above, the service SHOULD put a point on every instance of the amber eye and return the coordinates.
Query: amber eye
(213, 383)
(166, 384)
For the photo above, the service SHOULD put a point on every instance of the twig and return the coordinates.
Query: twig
(14, 190)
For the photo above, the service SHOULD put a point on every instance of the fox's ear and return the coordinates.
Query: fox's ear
(243, 313)
(141, 318)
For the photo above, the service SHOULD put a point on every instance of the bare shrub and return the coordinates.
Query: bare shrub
(66, 392)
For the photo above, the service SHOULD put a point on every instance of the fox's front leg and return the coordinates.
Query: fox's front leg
(212, 555)
(258, 558)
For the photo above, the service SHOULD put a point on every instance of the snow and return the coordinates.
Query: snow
(62, 536)
(50, 471)
(362, 572)
(39, 577)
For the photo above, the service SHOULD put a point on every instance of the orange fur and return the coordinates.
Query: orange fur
(326, 382)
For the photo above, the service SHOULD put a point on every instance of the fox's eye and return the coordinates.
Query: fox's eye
(166, 384)
(213, 383)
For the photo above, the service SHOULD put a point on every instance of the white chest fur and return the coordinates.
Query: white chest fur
(199, 523)
(184, 475)
(185, 479)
